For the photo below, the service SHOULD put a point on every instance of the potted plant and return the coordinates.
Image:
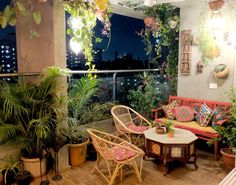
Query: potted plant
(81, 111)
(23, 177)
(227, 134)
(170, 129)
(9, 166)
(28, 113)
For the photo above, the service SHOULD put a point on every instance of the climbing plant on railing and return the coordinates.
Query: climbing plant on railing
(162, 25)
(83, 16)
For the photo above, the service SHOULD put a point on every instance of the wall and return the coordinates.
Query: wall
(196, 85)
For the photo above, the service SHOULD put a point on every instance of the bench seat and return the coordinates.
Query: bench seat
(192, 126)
(205, 133)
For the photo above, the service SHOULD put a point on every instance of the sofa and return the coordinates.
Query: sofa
(202, 132)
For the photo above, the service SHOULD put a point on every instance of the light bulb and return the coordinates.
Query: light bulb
(75, 46)
(75, 23)
(149, 2)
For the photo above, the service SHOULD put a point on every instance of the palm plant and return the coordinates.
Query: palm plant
(82, 109)
(28, 112)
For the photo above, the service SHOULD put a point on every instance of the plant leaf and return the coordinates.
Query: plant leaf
(4, 21)
(37, 17)
(21, 7)
(12, 21)
(34, 34)
(7, 13)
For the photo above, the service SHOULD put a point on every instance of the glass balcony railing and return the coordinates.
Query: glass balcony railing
(115, 85)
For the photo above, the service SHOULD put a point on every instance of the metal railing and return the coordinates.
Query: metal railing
(82, 72)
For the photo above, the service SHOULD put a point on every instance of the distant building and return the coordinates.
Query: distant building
(8, 58)
(98, 55)
(74, 61)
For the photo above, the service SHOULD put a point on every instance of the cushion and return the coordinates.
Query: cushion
(168, 109)
(219, 115)
(196, 107)
(121, 154)
(135, 128)
(184, 113)
(204, 115)
(192, 126)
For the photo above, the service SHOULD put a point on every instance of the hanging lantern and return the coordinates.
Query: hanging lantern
(149, 21)
(216, 5)
(101, 4)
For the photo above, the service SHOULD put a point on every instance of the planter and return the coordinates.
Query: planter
(91, 153)
(77, 153)
(10, 177)
(228, 158)
(215, 5)
(170, 134)
(33, 166)
(23, 178)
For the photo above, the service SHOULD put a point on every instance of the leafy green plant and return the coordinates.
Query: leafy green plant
(165, 28)
(28, 112)
(147, 96)
(21, 9)
(227, 131)
(169, 126)
(9, 165)
(82, 110)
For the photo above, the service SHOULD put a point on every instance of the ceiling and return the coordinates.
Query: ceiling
(135, 8)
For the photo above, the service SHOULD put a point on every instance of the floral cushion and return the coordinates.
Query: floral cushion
(184, 113)
(121, 154)
(204, 115)
(168, 109)
(135, 128)
(219, 114)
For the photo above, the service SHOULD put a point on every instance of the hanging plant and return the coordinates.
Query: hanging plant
(21, 8)
(162, 24)
(83, 15)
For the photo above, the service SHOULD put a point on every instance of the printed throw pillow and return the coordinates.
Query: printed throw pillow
(205, 114)
(196, 109)
(168, 109)
(184, 113)
(219, 114)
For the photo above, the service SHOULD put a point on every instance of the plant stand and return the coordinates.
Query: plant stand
(57, 176)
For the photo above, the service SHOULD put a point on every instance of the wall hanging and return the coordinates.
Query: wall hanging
(185, 61)
(221, 71)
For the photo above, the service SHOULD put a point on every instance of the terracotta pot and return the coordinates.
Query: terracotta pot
(170, 134)
(77, 153)
(149, 21)
(33, 166)
(215, 5)
(228, 158)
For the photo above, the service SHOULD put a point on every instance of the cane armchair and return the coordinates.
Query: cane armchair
(129, 124)
(117, 156)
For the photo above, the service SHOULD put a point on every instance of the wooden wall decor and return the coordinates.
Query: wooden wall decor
(185, 60)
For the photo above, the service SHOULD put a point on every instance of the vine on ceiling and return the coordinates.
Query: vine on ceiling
(162, 25)
(83, 16)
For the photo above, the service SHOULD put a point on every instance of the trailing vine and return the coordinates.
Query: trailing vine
(162, 23)
(83, 13)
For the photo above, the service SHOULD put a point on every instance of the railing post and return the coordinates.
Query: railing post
(114, 87)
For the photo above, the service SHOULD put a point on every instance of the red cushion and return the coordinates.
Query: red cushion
(184, 113)
(121, 154)
(135, 128)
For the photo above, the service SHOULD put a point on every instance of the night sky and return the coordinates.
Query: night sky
(124, 37)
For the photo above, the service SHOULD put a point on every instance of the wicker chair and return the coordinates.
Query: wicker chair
(130, 124)
(117, 154)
